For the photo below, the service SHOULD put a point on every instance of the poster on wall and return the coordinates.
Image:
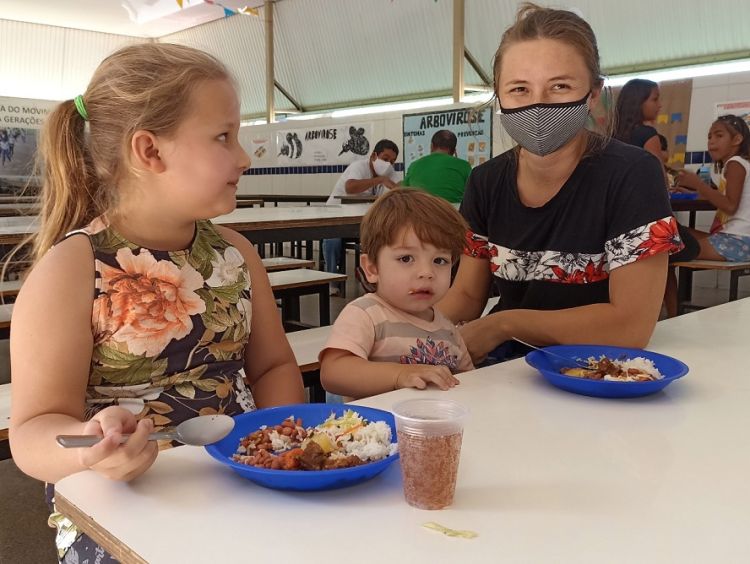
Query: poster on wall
(740, 108)
(20, 122)
(674, 118)
(324, 145)
(472, 127)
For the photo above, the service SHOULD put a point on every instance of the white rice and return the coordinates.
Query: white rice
(639, 362)
(371, 442)
(278, 441)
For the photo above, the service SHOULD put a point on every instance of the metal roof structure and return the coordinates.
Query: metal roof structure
(341, 53)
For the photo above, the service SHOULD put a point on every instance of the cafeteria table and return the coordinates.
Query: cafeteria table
(545, 476)
(260, 225)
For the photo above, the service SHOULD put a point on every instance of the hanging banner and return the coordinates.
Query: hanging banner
(323, 145)
(472, 127)
(740, 108)
(20, 122)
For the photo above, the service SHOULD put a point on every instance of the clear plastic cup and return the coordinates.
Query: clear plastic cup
(429, 443)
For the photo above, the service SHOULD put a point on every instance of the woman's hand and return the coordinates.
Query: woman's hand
(111, 459)
(481, 336)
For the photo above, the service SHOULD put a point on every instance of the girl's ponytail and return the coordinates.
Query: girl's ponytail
(143, 86)
(68, 192)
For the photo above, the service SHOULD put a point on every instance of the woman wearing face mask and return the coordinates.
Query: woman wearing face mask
(573, 228)
(372, 177)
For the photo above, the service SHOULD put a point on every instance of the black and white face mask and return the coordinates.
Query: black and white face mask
(544, 128)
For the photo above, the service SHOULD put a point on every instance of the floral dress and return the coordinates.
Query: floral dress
(170, 330)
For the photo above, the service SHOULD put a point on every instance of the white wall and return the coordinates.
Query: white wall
(707, 92)
(385, 125)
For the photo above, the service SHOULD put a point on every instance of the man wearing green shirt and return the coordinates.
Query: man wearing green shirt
(440, 173)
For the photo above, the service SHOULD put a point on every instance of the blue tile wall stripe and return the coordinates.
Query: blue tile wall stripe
(697, 157)
(691, 157)
(319, 169)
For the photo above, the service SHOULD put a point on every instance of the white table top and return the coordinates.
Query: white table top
(307, 344)
(545, 476)
(240, 217)
(4, 407)
(258, 215)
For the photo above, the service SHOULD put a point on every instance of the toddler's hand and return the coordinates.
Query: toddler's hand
(419, 375)
(110, 458)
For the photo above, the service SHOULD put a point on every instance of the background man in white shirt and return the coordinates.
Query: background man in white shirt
(372, 177)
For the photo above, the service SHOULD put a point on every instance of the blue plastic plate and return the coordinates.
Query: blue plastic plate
(300, 480)
(549, 367)
(683, 196)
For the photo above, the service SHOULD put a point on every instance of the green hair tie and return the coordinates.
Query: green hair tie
(81, 107)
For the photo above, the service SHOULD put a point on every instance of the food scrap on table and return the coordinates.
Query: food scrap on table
(450, 532)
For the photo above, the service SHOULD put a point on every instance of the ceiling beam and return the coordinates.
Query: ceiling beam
(673, 63)
(299, 107)
(477, 67)
(459, 14)
(346, 104)
(270, 80)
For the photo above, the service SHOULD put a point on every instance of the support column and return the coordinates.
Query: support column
(270, 79)
(458, 50)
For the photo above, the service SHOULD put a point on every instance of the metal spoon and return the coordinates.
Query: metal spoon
(577, 362)
(198, 431)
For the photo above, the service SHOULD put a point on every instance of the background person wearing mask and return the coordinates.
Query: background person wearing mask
(440, 173)
(363, 177)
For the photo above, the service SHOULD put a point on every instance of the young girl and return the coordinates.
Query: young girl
(144, 314)
(729, 147)
(637, 107)
(395, 338)
(572, 228)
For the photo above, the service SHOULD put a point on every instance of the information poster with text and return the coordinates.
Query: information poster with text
(740, 108)
(20, 122)
(324, 145)
(473, 129)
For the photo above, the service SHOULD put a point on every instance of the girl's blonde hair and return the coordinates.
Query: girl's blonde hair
(536, 22)
(140, 87)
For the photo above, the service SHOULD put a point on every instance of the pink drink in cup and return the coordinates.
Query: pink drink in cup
(429, 443)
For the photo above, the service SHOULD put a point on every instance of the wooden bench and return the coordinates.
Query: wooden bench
(6, 311)
(736, 271)
(289, 285)
(10, 288)
(274, 264)
(5, 419)
(306, 346)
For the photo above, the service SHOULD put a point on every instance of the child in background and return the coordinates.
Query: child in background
(729, 146)
(637, 108)
(139, 313)
(395, 338)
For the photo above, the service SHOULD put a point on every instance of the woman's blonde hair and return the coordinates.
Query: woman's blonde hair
(140, 87)
(536, 22)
